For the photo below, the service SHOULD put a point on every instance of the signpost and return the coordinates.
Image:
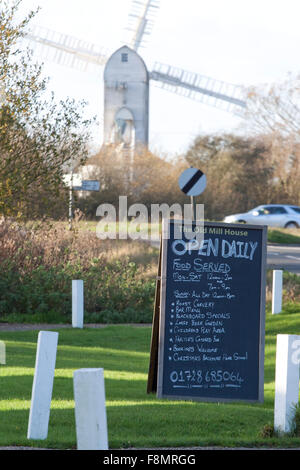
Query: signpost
(76, 183)
(208, 332)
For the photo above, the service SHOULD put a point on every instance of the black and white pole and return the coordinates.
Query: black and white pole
(192, 182)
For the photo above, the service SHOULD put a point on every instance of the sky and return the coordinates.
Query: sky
(244, 42)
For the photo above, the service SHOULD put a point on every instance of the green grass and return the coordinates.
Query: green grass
(284, 236)
(135, 418)
(275, 235)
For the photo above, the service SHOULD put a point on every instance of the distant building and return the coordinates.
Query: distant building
(126, 112)
(126, 100)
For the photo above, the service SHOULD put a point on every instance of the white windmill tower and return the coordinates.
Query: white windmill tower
(126, 99)
(126, 78)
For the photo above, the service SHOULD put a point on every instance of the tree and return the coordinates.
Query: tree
(144, 178)
(205, 148)
(275, 111)
(274, 108)
(39, 138)
(238, 170)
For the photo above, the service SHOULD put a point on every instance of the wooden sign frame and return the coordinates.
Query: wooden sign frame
(153, 365)
(156, 368)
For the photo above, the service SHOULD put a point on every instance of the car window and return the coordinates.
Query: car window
(262, 211)
(275, 210)
(296, 209)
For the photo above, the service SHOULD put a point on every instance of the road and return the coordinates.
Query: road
(284, 257)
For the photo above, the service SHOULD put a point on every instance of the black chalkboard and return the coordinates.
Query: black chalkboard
(212, 313)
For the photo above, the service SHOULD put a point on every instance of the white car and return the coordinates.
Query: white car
(274, 215)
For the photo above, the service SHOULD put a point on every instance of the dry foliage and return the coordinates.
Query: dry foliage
(38, 265)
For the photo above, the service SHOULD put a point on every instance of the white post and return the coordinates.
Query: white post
(77, 304)
(277, 292)
(286, 381)
(2, 353)
(90, 410)
(42, 385)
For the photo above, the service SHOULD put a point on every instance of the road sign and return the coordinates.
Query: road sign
(192, 181)
(72, 179)
(88, 185)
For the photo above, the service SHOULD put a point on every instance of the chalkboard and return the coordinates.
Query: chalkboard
(212, 313)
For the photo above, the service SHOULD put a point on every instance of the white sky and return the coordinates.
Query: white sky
(245, 42)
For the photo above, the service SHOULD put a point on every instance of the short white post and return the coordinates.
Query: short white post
(77, 304)
(42, 385)
(90, 410)
(277, 292)
(286, 382)
(2, 353)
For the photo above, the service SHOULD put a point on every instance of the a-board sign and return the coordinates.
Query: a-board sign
(208, 334)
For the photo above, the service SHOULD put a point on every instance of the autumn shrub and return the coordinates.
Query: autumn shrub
(290, 291)
(38, 265)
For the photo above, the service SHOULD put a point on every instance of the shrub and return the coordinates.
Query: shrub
(290, 292)
(38, 265)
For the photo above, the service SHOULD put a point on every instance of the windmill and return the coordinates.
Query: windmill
(126, 88)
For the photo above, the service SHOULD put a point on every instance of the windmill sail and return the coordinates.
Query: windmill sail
(199, 87)
(65, 49)
(76, 53)
(141, 21)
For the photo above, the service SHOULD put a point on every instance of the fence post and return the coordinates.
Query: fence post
(77, 304)
(2, 353)
(42, 385)
(90, 410)
(286, 382)
(277, 292)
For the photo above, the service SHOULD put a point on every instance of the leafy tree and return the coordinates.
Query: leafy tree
(39, 138)
(144, 178)
(274, 108)
(205, 148)
(238, 170)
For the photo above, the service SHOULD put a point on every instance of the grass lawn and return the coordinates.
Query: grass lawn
(135, 419)
(284, 236)
(275, 235)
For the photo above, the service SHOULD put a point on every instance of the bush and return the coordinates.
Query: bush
(37, 267)
(290, 291)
